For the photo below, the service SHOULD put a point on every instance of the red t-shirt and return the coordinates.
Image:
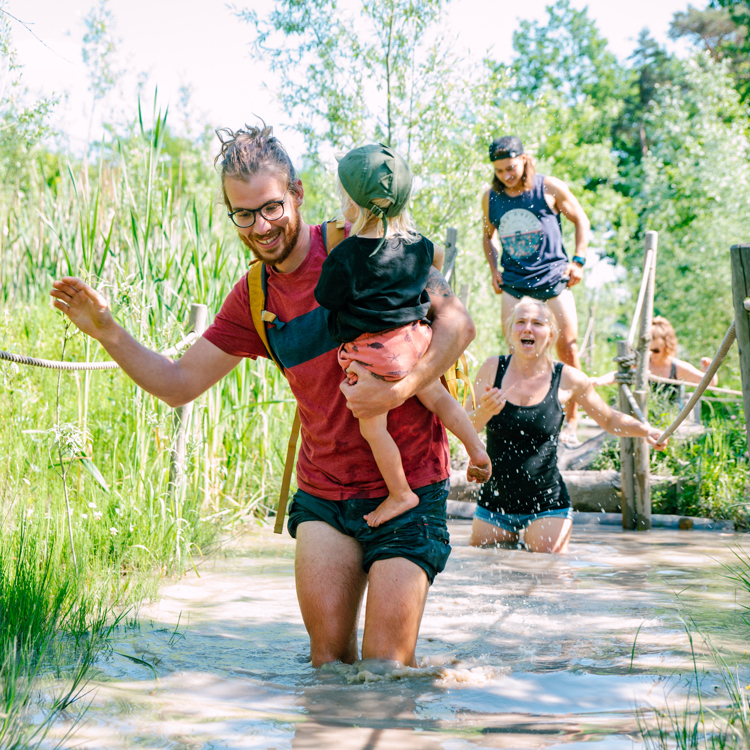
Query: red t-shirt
(335, 462)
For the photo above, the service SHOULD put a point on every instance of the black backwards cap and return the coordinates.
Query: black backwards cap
(507, 147)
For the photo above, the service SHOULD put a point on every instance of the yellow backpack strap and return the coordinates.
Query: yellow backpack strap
(456, 372)
(287, 478)
(260, 317)
(258, 312)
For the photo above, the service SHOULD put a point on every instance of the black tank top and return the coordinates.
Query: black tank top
(522, 443)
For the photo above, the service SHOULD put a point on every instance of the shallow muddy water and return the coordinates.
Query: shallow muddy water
(517, 650)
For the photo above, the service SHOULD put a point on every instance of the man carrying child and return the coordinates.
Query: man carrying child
(337, 553)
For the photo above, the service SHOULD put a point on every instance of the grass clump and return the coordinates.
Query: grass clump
(709, 468)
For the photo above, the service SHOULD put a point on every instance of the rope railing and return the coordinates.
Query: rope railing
(672, 381)
(703, 385)
(69, 366)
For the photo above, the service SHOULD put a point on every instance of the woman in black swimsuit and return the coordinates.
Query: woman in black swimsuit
(522, 403)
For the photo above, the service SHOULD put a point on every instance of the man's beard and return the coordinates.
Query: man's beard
(289, 242)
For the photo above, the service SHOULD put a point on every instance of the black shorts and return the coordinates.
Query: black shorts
(419, 535)
(541, 293)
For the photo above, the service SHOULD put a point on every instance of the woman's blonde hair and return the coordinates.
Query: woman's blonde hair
(661, 327)
(548, 316)
(401, 226)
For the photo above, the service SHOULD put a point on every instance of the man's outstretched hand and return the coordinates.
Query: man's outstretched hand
(85, 307)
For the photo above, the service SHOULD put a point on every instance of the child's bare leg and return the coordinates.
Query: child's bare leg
(384, 449)
(452, 415)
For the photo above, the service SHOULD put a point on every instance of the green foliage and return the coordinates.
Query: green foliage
(693, 190)
(568, 56)
(99, 50)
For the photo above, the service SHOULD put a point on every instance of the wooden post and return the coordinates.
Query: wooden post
(740, 256)
(465, 294)
(182, 414)
(641, 458)
(627, 469)
(451, 250)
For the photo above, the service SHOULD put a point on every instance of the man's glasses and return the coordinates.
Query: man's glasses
(245, 217)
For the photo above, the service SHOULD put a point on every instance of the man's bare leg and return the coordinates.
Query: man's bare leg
(388, 458)
(330, 585)
(564, 309)
(395, 602)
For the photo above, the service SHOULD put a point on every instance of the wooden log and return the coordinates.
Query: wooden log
(627, 465)
(590, 491)
(451, 250)
(641, 458)
(740, 258)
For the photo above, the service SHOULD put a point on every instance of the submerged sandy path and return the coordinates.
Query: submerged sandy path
(518, 651)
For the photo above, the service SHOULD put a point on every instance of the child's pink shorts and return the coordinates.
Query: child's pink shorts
(389, 355)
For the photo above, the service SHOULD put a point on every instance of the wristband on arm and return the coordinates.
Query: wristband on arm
(579, 259)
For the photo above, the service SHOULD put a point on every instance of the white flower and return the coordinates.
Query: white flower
(92, 505)
(113, 531)
(118, 511)
(84, 515)
(97, 515)
(131, 528)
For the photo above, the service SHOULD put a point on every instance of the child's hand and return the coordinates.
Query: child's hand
(493, 400)
(705, 362)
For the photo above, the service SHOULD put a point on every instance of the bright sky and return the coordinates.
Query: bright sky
(202, 45)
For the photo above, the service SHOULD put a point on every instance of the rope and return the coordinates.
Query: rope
(703, 385)
(53, 365)
(672, 381)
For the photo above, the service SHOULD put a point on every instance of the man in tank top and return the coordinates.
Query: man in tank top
(524, 209)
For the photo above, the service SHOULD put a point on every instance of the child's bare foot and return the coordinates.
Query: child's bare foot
(480, 466)
(392, 506)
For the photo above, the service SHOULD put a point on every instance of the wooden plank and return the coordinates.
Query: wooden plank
(740, 259)
(627, 466)
(451, 250)
(641, 457)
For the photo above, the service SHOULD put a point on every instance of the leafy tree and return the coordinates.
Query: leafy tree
(25, 123)
(99, 52)
(722, 33)
(693, 190)
(566, 55)
(360, 71)
(738, 47)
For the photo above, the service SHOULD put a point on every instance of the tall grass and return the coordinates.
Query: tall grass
(92, 453)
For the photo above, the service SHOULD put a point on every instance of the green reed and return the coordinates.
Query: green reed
(142, 224)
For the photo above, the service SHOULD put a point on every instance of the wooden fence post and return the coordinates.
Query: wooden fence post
(740, 256)
(182, 414)
(627, 465)
(641, 456)
(451, 250)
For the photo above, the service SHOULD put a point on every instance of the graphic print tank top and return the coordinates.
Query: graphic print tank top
(530, 235)
(522, 444)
